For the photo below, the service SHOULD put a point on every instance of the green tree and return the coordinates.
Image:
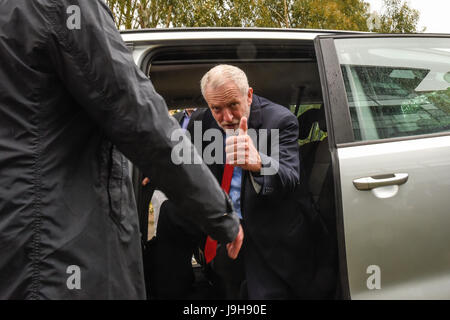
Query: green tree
(319, 14)
(397, 17)
(137, 14)
(333, 15)
(123, 11)
(311, 14)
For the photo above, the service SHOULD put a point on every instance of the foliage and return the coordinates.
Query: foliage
(315, 14)
(333, 15)
(137, 14)
(398, 17)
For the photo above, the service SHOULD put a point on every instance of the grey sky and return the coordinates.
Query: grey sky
(434, 14)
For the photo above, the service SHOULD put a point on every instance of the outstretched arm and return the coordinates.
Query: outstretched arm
(99, 72)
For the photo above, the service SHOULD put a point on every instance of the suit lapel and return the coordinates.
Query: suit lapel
(210, 123)
(255, 120)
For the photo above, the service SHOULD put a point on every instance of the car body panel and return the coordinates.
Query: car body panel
(395, 237)
(403, 229)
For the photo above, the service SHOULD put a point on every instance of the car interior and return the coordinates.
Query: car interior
(285, 72)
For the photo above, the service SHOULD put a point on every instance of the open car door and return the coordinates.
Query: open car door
(387, 102)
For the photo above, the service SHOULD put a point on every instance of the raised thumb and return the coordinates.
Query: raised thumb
(243, 126)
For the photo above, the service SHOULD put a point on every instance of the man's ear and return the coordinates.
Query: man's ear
(250, 96)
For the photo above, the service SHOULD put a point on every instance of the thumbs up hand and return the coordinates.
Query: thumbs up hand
(240, 150)
(243, 127)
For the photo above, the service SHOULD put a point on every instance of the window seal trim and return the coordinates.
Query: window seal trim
(396, 139)
(384, 35)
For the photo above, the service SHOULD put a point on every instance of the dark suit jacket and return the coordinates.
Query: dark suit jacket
(273, 219)
(179, 117)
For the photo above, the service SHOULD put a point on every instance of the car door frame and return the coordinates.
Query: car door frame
(339, 129)
(339, 125)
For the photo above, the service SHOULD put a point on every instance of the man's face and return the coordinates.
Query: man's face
(228, 105)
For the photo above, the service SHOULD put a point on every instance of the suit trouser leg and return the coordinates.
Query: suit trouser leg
(262, 282)
(176, 239)
(231, 273)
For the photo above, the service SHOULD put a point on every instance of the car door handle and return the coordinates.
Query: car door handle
(369, 183)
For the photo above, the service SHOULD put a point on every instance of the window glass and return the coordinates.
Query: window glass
(396, 86)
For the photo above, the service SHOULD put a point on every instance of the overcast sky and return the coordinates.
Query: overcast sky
(434, 14)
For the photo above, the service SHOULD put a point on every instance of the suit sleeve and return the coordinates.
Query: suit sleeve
(282, 169)
(99, 72)
(178, 116)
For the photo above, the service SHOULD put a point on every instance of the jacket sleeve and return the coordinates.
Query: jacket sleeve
(282, 170)
(99, 72)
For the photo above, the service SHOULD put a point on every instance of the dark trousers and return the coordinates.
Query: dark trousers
(171, 273)
(263, 283)
(248, 277)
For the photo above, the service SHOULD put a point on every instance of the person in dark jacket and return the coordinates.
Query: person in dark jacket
(71, 102)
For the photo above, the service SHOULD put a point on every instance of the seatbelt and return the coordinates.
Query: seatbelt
(211, 244)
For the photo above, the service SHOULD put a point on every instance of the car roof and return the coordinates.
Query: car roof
(226, 33)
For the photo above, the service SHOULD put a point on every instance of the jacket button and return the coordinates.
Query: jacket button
(268, 189)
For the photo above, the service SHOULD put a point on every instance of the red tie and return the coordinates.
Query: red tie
(211, 244)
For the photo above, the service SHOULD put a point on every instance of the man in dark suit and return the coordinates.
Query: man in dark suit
(158, 197)
(169, 272)
(263, 187)
(183, 117)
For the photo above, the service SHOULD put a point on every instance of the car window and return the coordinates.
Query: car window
(396, 86)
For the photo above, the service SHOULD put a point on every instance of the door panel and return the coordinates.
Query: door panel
(397, 100)
(403, 230)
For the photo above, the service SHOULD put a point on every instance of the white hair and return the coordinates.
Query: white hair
(223, 73)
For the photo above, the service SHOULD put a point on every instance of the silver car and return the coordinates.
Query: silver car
(378, 108)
